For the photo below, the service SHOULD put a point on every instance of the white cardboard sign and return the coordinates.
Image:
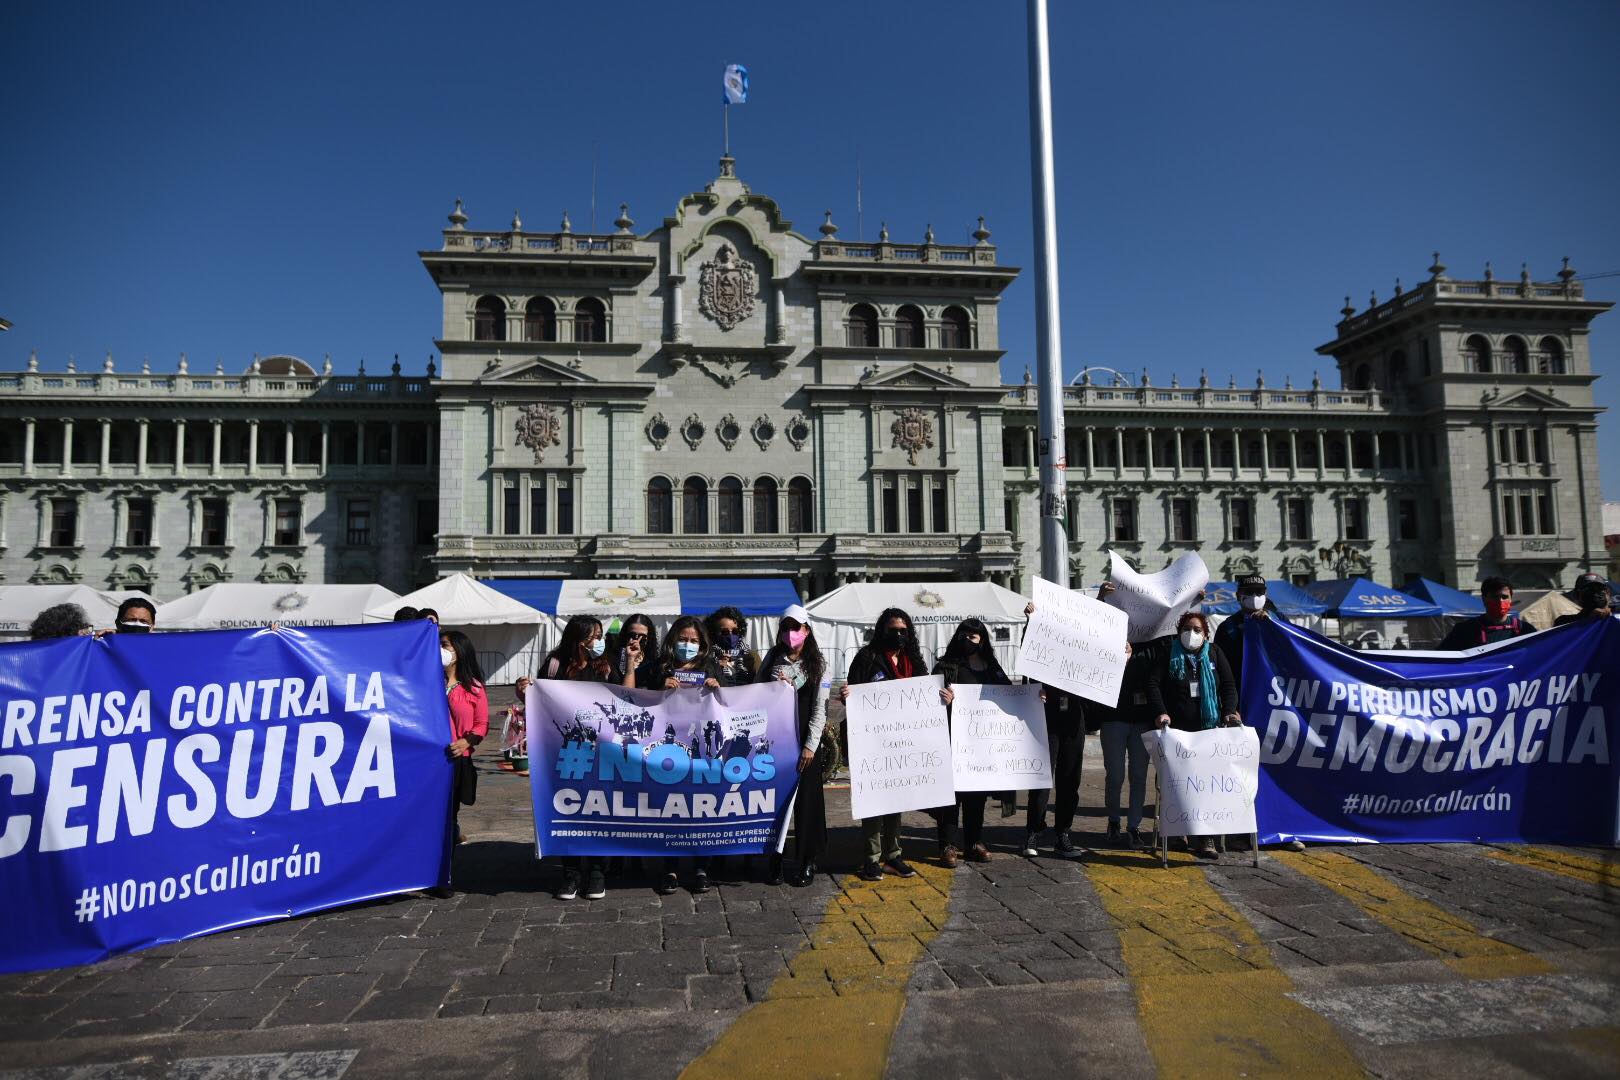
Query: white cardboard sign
(1156, 602)
(1074, 643)
(899, 747)
(1207, 779)
(998, 738)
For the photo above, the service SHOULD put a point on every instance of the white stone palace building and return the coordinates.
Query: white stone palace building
(723, 395)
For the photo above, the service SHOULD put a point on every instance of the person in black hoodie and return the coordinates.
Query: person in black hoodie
(969, 658)
(891, 654)
(796, 659)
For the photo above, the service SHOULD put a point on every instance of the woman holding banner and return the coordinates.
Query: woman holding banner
(797, 660)
(688, 661)
(579, 656)
(469, 724)
(969, 658)
(1193, 689)
(637, 663)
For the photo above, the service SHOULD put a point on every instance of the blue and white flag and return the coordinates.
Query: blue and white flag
(735, 85)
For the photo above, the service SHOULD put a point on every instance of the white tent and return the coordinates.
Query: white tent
(843, 618)
(21, 604)
(510, 636)
(1546, 610)
(233, 605)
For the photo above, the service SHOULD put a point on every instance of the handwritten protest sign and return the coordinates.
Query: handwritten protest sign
(1155, 602)
(998, 738)
(1074, 643)
(899, 747)
(1207, 779)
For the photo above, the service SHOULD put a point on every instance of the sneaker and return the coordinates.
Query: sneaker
(598, 885)
(668, 885)
(949, 857)
(1140, 840)
(1065, 846)
(570, 886)
(700, 881)
(899, 868)
(978, 853)
(1030, 848)
(1206, 849)
(871, 872)
(1117, 838)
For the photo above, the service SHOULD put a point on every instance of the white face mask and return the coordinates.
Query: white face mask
(597, 646)
(447, 656)
(1252, 603)
(1192, 640)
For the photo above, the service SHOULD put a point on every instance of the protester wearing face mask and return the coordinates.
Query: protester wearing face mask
(579, 656)
(137, 615)
(688, 662)
(636, 664)
(1497, 624)
(1193, 689)
(1592, 593)
(469, 723)
(969, 658)
(891, 654)
(735, 662)
(1253, 607)
(796, 659)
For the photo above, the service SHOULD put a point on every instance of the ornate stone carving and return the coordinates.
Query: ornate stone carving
(912, 432)
(728, 431)
(539, 426)
(658, 431)
(726, 288)
(763, 431)
(723, 368)
(692, 430)
(798, 430)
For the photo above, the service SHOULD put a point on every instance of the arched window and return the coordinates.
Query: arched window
(695, 505)
(1397, 368)
(1476, 354)
(766, 518)
(729, 505)
(801, 507)
(1551, 359)
(489, 319)
(590, 320)
(1361, 378)
(861, 327)
(955, 332)
(540, 320)
(660, 506)
(908, 328)
(1518, 356)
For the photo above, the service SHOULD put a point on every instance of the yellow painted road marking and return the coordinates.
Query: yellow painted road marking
(1210, 999)
(1603, 872)
(834, 1011)
(1428, 926)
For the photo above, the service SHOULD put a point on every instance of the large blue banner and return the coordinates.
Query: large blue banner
(1513, 742)
(680, 772)
(156, 787)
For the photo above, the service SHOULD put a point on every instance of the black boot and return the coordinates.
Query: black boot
(773, 875)
(806, 875)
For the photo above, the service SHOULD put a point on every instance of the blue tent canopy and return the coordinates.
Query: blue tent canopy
(1451, 601)
(1358, 598)
(699, 596)
(1220, 598)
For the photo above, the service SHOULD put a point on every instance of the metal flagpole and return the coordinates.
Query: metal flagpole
(1048, 341)
(725, 112)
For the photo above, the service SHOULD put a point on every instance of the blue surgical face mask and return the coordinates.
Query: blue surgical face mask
(686, 651)
(597, 646)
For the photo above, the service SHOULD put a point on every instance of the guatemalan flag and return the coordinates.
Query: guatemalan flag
(735, 85)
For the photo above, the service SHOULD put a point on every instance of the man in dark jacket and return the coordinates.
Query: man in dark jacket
(1592, 593)
(1497, 624)
(1252, 604)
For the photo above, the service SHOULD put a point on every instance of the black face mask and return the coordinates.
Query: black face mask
(1593, 597)
(892, 639)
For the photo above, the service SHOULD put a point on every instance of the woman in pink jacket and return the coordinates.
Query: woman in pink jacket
(469, 715)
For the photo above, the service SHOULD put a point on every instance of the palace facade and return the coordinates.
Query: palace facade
(723, 395)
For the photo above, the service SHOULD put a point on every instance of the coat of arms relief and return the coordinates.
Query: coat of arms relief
(538, 426)
(913, 432)
(727, 288)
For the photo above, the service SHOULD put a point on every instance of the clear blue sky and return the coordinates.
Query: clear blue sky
(224, 180)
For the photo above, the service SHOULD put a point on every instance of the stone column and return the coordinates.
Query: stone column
(393, 444)
(1119, 451)
(218, 425)
(779, 331)
(67, 446)
(359, 442)
(1209, 452)
(1265, 455)
(326, 442)
(1030, 460)
(180, 447)
(1349, 454)
(1293, 453)
(1091, 453)
(1321, 452)
(268, 503)
(1179, 432)
(1237, 454)
(1378, 453)
(287, 461)
(43, 539)
(677, 331)
(28, 446)
(106, 444)
(140, 453)
(253, 447)
(1147, 445)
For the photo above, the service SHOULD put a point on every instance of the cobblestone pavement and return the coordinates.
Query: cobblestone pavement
(1411, 960)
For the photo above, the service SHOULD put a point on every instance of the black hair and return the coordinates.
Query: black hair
(571, 655)
(667, 653)
(427, 613)
(58, 620)
(727, 612)
(650, 649)
(1491, 584)
(959, 651)
(468, 673)
(811, 661)
(908, 646)
(407, 614)
(131, 604)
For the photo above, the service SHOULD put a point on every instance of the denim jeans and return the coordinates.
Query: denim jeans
(1122, 742)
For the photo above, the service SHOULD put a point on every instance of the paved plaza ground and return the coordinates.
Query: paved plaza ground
(1466, 960)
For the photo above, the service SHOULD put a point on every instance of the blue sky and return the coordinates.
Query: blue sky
(221, 180)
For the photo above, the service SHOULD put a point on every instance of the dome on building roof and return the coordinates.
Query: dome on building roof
(284, 365)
